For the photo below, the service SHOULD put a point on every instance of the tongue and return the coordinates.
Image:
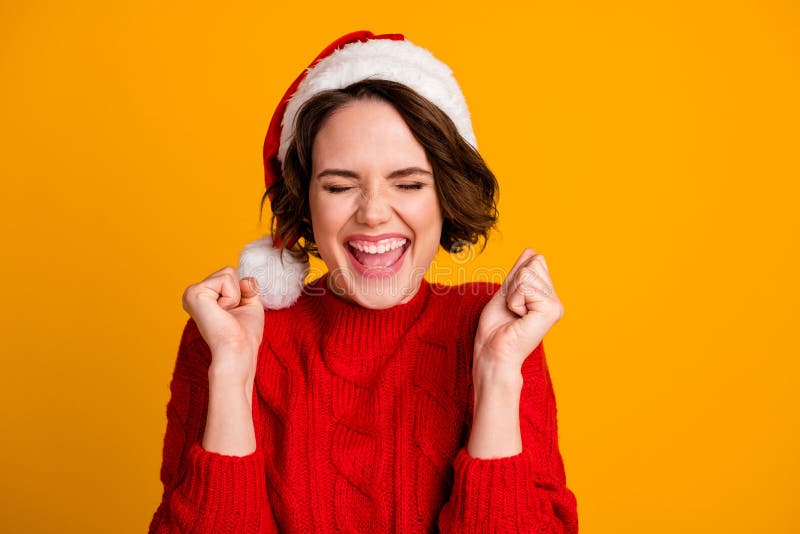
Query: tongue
(378, 260)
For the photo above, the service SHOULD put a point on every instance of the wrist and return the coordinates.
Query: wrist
(496, 429)
(223, 382)
(496, 374)
(231, 366)
(229, 428)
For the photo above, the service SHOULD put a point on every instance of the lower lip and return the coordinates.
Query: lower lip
(377, 272)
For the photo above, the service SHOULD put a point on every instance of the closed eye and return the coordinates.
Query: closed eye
(406, 187)
(336, 189)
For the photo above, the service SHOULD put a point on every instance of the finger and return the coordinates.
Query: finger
(544, 277)
(230, 294)
(223, 284)
(539, 267)
(525, 256)
(249, 287)
(540, 259)
(524, 289)
(530, 284)
(534, 296)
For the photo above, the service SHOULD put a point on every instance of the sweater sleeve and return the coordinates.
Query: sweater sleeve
(205, 491)
(522, 493)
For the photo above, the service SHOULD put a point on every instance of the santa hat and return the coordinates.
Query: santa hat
(349, 59)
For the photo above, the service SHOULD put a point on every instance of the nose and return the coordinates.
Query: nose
(373, 207)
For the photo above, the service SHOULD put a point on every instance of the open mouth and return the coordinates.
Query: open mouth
(381, 255)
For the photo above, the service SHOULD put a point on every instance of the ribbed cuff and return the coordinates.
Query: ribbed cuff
(229, 490)
(497, 492)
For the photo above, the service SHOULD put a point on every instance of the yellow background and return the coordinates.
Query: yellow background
(650, 152)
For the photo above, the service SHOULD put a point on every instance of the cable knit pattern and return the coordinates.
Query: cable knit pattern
(362, 419)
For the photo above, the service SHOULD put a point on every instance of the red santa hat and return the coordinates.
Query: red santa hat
(349, 59)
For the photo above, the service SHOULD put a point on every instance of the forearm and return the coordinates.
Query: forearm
(510, 476)
(229, 424)
(495, 429)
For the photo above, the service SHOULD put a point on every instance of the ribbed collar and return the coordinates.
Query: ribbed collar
(355, 340)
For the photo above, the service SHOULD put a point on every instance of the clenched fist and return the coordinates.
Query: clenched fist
(230, 317)
(518, 315)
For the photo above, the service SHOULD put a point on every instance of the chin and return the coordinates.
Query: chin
(374, 292)
(377, 302)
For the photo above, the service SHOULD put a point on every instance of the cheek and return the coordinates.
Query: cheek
(427, 218)
(327, 216)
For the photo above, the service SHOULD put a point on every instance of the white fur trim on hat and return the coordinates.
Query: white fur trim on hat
(398, 61)
(280, 282)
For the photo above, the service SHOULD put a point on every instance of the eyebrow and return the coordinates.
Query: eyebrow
(400, 173)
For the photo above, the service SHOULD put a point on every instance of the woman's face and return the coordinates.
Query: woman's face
(374, 209)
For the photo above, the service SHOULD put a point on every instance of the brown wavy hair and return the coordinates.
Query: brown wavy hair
(466, 188)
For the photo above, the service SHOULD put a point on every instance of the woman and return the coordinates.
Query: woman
(368, 400)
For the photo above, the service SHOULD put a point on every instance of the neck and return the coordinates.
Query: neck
(355, 338)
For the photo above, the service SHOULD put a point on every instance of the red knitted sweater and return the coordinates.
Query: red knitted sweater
(362, 419)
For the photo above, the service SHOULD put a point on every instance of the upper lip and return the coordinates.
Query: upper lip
(364, 237)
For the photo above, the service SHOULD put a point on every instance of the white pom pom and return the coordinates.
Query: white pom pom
(280, 282)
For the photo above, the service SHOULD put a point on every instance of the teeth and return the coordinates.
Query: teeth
(378, 247)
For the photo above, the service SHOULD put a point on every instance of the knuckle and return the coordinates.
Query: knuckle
(527, 274)
(188, 294)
